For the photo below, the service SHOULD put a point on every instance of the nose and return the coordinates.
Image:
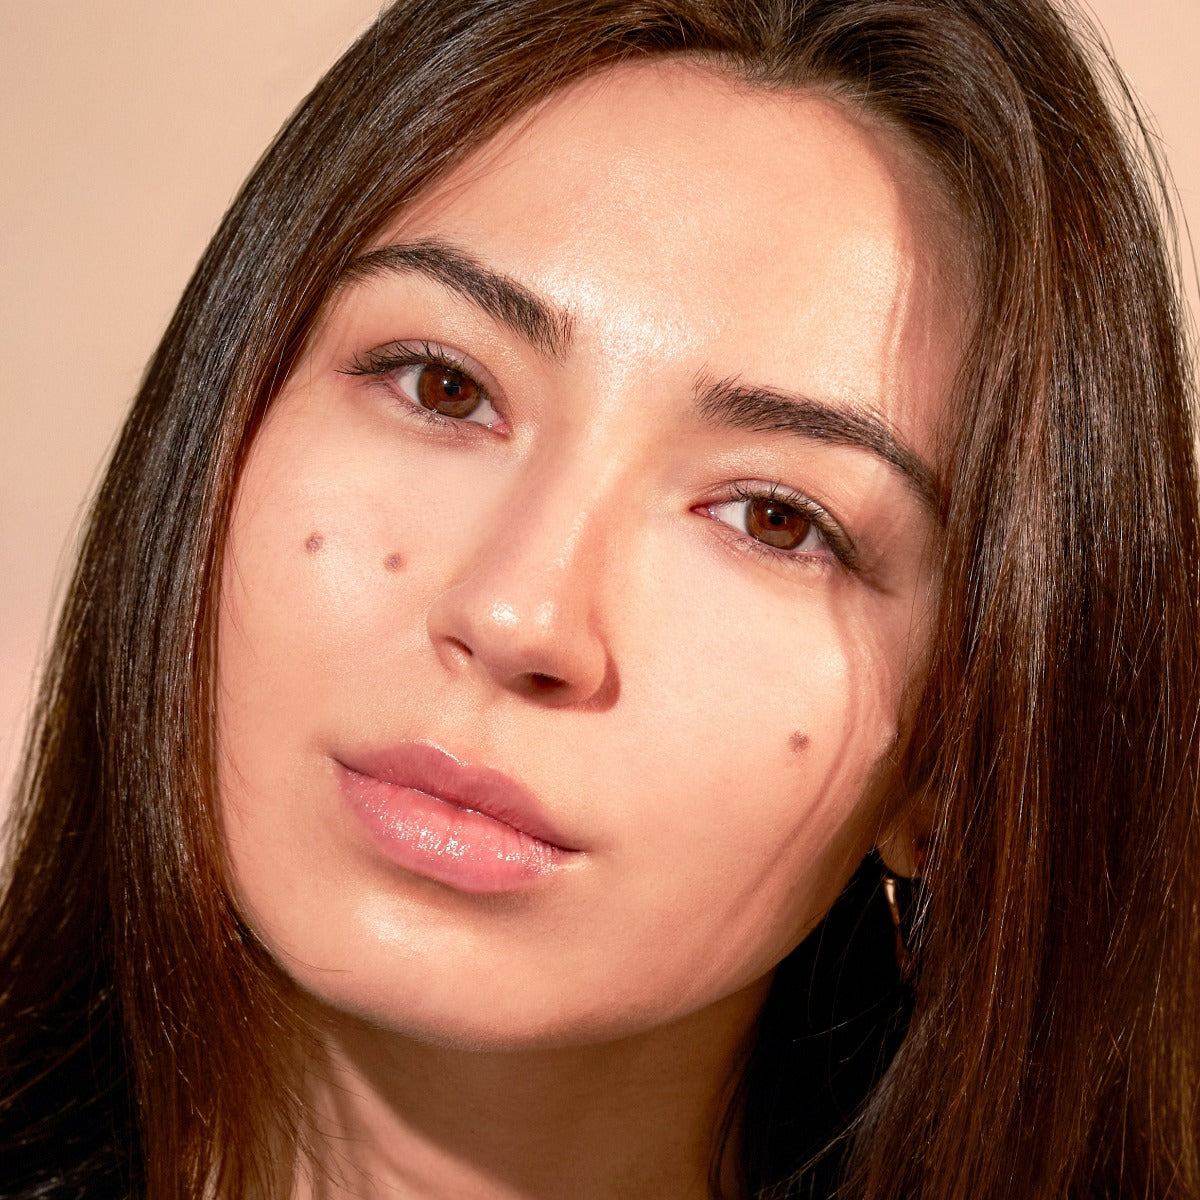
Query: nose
(524, 611)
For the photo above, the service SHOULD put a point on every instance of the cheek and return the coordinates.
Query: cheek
(317, 590)
(774, 731)
(796, 687)
(329, 552)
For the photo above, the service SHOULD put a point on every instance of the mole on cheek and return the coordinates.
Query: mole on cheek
(393, 562)
(313, 542)
(798, 742)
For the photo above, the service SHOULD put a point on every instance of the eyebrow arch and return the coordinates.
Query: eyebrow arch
(763, 410)
(543, 325)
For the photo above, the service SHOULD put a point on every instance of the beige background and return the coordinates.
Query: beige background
(128, 125)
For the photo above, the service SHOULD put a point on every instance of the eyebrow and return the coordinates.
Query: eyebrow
(728, 404)
(543, 325)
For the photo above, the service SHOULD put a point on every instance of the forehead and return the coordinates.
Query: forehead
(673, 209)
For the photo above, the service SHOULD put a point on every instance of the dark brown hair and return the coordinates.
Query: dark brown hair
(1054, 1043)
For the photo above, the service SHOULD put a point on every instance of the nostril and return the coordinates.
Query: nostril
(541, 682)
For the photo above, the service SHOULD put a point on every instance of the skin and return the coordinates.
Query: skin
(562, 587)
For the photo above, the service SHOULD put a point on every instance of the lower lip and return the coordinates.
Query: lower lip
(444, 842)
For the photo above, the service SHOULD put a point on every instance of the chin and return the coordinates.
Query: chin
(480, 1027)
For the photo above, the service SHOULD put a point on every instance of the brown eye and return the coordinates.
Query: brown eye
(448, 392)
(775, 523)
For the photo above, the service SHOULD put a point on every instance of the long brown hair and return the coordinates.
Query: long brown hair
(1054, 1044)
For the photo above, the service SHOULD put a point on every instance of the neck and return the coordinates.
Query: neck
(639, 1116)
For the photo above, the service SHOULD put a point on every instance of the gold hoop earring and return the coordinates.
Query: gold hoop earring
(891, 893)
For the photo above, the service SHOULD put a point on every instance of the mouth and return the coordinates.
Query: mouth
(471, 827)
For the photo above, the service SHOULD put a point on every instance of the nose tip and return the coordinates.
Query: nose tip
(539, 643)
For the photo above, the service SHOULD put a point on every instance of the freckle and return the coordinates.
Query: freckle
(313, 543)
(798, 742)
(393, 562)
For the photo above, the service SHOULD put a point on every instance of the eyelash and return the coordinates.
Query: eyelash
(830, 532)
(398, 356)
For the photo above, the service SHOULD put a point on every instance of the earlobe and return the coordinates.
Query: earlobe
(903, 848)
(903, 845)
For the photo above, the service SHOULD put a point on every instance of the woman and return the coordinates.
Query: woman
(614, 471)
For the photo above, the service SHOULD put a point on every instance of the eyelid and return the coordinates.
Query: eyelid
(411, 352)
(841, 547)
(401, 353)
(408, 351)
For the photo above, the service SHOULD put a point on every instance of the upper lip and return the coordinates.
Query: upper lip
(430, 769)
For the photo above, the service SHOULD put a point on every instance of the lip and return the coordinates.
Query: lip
(468, 826)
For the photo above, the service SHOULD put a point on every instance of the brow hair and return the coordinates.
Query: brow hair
(545, 326)
(765, 410)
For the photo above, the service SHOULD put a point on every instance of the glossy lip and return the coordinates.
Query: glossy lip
(468, 826)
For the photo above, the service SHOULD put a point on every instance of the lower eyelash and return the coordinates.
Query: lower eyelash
(380, 362)
(839, 545)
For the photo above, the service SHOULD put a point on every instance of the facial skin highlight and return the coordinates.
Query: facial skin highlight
(671, 574)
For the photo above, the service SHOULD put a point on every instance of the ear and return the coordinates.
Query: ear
(903, 844)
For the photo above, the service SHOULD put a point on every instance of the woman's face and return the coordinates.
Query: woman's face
(579, 576)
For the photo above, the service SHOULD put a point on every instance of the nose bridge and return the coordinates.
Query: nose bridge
(527, 607)
(544, 542)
